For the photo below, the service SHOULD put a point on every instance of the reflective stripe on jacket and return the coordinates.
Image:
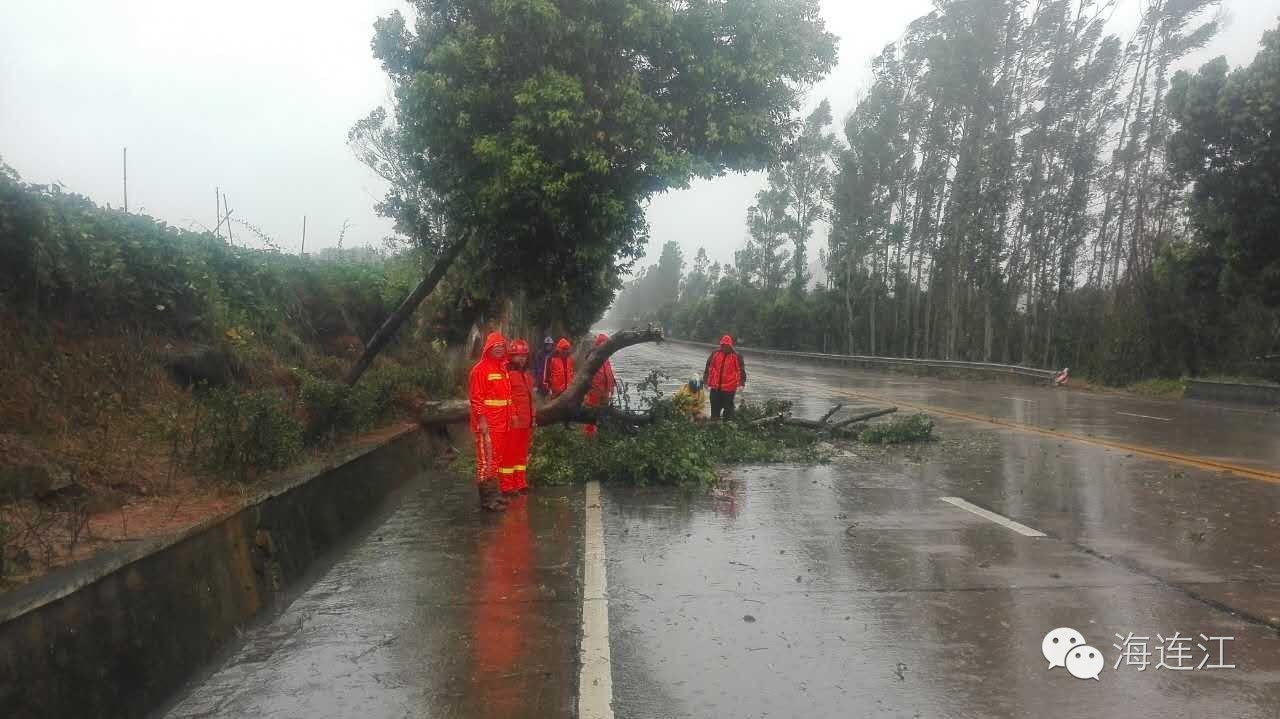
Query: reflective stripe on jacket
(489, 390)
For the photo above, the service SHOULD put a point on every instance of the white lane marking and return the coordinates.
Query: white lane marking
(1145, 416)
(1022, 529)
(1019, 399)
(595, 683)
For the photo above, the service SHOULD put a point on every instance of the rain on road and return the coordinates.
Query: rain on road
(841, 590)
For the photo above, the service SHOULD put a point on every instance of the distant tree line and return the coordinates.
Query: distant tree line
(1018, 185)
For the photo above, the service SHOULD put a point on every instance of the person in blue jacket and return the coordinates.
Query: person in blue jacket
(540, 362)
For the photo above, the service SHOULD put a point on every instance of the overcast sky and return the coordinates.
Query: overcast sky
(257, 97)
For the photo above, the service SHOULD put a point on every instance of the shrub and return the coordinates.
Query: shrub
(330, 407)
(243, 434)
(333, 409)
(914, 428)
(1168, 388)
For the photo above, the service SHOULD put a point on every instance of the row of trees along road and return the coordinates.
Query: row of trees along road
(1018, 185)
(527, 137)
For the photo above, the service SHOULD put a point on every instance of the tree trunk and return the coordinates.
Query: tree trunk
(871, 323)
(848, 301)
(406, 308)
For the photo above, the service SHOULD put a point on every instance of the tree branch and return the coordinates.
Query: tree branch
(568, 406)
(563, 408)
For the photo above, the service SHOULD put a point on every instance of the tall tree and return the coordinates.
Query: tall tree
(766, 260)
(543, 126)
(1228, 145)
(804, 171)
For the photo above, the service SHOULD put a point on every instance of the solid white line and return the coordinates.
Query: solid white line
(1019, 399)
(1022, 529)
(595, 683)
(1145, 416)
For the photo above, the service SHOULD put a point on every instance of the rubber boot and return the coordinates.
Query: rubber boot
(490, 498)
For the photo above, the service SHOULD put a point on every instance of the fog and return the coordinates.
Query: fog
(256, 98)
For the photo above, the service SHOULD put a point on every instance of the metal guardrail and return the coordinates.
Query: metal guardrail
(987, 367)
(1266, 395)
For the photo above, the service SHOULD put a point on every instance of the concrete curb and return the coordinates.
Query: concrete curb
(918, 366)
(1265, 395)
(115, 635)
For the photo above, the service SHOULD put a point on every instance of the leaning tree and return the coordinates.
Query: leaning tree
(537, 130)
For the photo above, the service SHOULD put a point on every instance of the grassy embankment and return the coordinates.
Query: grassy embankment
(151, 375)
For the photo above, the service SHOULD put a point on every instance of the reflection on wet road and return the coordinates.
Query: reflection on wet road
(847, 589)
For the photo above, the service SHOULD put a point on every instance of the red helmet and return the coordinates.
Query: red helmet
(562, 345)
(601, 339)
(519, 347)
(726, 340)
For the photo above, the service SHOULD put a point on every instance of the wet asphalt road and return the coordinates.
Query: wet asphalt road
(433, 612)
(851, 589)
(843, 590)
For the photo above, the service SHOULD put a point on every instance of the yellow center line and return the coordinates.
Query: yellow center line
(1190, 461)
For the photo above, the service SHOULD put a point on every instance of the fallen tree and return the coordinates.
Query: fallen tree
(388, 329)
(824, 425)
(568, 406)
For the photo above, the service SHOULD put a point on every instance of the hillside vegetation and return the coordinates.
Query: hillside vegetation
(144, 364)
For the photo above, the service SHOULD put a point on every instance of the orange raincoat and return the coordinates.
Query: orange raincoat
(601, 387)
(522, 421)
(489, 390)
(558, 372)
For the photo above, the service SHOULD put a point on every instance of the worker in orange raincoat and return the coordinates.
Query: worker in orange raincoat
(601, 387)
(559, 370)
(489, 390)
(724, 374)
(523, 420)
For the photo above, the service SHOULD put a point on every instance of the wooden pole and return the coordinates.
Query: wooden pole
(217, 211)
(227, 206)
(125, 163)
(303, 251)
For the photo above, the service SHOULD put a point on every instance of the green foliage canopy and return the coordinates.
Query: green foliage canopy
(1228, 144)
(542, 127)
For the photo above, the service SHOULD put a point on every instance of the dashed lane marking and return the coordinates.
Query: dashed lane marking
(1146, 416)
(1001, 520)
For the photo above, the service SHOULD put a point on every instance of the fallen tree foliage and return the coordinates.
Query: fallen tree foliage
(672, 450)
